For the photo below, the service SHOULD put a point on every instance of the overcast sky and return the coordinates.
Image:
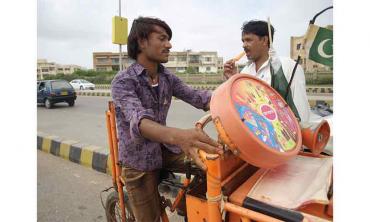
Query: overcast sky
(69, 31)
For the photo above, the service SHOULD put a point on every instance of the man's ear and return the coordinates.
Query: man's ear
(142, 43)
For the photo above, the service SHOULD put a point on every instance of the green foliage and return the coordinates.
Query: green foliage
(190, 70)
(320, 81)
(96, 77)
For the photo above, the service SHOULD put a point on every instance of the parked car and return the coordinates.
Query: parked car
(82, 84)
(50, 92)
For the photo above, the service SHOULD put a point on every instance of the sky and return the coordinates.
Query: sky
(69, 31)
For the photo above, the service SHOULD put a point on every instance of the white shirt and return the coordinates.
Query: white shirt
(298, 86)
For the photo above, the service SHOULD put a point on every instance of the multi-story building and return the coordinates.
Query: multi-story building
(109, 61)
(51, 68)
(308, 65)
(178, 62)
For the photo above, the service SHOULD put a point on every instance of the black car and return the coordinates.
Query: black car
(50, 92)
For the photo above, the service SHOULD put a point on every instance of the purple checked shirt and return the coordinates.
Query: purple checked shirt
(135, 99)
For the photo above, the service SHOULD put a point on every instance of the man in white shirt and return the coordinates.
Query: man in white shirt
(255, 40)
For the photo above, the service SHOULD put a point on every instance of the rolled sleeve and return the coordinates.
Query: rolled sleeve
(196, 98)
(125, 97)
(135, 119)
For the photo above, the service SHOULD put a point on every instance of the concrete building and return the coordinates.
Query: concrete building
(178, 62)
(51, 68)
(109, 61)
(308, 65)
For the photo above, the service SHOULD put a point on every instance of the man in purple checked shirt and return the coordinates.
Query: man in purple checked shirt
(142, 95)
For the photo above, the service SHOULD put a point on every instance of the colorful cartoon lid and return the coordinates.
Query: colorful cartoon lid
(257, 121)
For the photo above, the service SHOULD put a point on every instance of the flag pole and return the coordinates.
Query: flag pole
(269, 29)
(312, 21)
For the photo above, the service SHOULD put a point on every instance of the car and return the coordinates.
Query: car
(82, 84)
(50, 92)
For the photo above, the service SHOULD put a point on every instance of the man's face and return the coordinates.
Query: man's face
(254, 45)
(157, 47)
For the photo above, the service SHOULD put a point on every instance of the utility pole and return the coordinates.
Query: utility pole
(120, 45)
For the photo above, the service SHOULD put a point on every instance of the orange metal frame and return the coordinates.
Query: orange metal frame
(217, 175)
(116, 169)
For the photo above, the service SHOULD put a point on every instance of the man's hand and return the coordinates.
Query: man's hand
(190, 140)
(229, 68)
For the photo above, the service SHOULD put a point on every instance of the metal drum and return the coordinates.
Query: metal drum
(255, 121)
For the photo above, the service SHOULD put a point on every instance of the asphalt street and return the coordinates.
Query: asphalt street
(85, 121)
(68, 192)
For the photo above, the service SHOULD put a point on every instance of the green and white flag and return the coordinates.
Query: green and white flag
(319, 42)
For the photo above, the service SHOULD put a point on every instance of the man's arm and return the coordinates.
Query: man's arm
(197, 98)
(142, 124)
(189, 140)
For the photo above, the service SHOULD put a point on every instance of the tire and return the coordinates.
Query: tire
(71, 103)
(113, 211)
(48, 104)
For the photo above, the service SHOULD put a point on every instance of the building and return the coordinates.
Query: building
(109, 61)
(178, 62)
(308, 65)
(51, 68)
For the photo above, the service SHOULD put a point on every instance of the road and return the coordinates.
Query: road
(70, 192)
(85, 121)
(67, 191)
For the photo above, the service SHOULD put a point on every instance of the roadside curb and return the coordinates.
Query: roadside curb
(309, 89)
(94, 157)
(312, 102)
(79, 93)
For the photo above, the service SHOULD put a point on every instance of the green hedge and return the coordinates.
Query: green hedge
(90, 75)
(99, 77)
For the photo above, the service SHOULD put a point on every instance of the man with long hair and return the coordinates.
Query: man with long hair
(142, 95)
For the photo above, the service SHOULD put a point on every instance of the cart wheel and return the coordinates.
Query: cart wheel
(113, 211)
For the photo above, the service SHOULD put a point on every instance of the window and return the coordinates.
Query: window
(194, 59)
(42, 86)
(60, 69)
(208, 68)
(102, 60)
(115, 60)
(66, 69)
(101, 69)
(60, 85)
(298, 46)
(171, 58)
(45, 70)
(181, 58)
(208, 59)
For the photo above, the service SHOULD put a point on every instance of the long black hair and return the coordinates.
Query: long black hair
(141, 29)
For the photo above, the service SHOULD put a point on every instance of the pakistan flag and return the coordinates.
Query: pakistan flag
(320, 44)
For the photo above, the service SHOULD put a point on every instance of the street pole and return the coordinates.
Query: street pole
(120, 46)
